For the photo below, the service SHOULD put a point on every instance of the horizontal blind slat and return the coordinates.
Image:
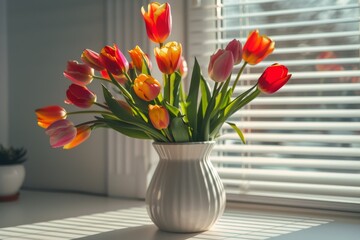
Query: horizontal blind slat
(329, 113)
(284, 101)
(325, 178)
(337, 164)
(299, 188)
(293, 150)
(278, 137)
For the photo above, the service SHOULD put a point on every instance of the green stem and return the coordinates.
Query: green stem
(167, 134)
(86, 123)
(96, 112)
(101, 105)
(238, 77)
(102, 79)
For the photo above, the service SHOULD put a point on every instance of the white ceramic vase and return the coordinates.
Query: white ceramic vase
(11, 179)
(186, 193)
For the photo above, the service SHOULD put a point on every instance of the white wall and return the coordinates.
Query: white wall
(42, 36)
(4, 117)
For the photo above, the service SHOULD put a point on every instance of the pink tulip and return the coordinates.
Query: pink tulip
(80, 96)
(79, 73)
(82, 134)
(235, 48)
(92, 59)
(183, 68)
(114, 60)
(220, 65)
(61, 133)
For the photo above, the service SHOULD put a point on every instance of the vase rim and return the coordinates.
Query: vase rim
(183, 143)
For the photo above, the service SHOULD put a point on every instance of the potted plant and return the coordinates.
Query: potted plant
(12, 172)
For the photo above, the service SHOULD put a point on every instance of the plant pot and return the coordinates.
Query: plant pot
(11, 179)
(185, 194)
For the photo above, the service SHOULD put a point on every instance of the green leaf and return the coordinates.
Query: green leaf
(192, 99)
(126, 129)
(145, 68)
(179, 130)
(122, 89)
(124, 116)
(238, 131)
(175, 80)
(175, 112)
(205, 94)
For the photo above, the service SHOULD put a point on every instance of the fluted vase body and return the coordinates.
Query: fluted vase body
(185, 193)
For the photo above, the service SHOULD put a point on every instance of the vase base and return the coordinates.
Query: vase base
(10, 198)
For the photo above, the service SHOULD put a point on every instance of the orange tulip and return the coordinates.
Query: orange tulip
(157, 21)
(159, 116)
(82, 134)
(168, 57)
(273, 78)
(47, 115)
(137, 56)
(257, 48)
(146, 87)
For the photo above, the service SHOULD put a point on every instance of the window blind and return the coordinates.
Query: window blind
(303, 143)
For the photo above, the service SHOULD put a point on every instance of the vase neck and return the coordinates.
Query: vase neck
(184, 151)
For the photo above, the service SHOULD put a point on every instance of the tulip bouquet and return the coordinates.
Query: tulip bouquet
(146, 109)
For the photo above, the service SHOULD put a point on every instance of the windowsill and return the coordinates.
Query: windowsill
(57, 216)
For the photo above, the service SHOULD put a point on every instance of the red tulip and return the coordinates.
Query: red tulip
(221, 65)
(48, 115)
(159, 116)
(146, 87)
(82, 134)
(138, 56)
(273, 78)
(168, 57)
(235, 48)
(157, 21)
(114, 60)
(61, 133)
(80, 96)
(257, 48)
(120, 79)
(79, 73)
(92, 59)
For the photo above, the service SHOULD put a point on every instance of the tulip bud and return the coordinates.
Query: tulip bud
(114, 60)
(80, 96)
(138, 56)
(79, 73)
(47, 115)
(235, 48)
(257, 48)
(158, 21)
(92, 59)
(159, 116)
(168, 57)
(273, 78)
(146, 87)
(82, 134)
(220, 65)
(61, 133)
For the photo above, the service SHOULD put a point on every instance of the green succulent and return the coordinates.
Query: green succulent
(12, 155)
